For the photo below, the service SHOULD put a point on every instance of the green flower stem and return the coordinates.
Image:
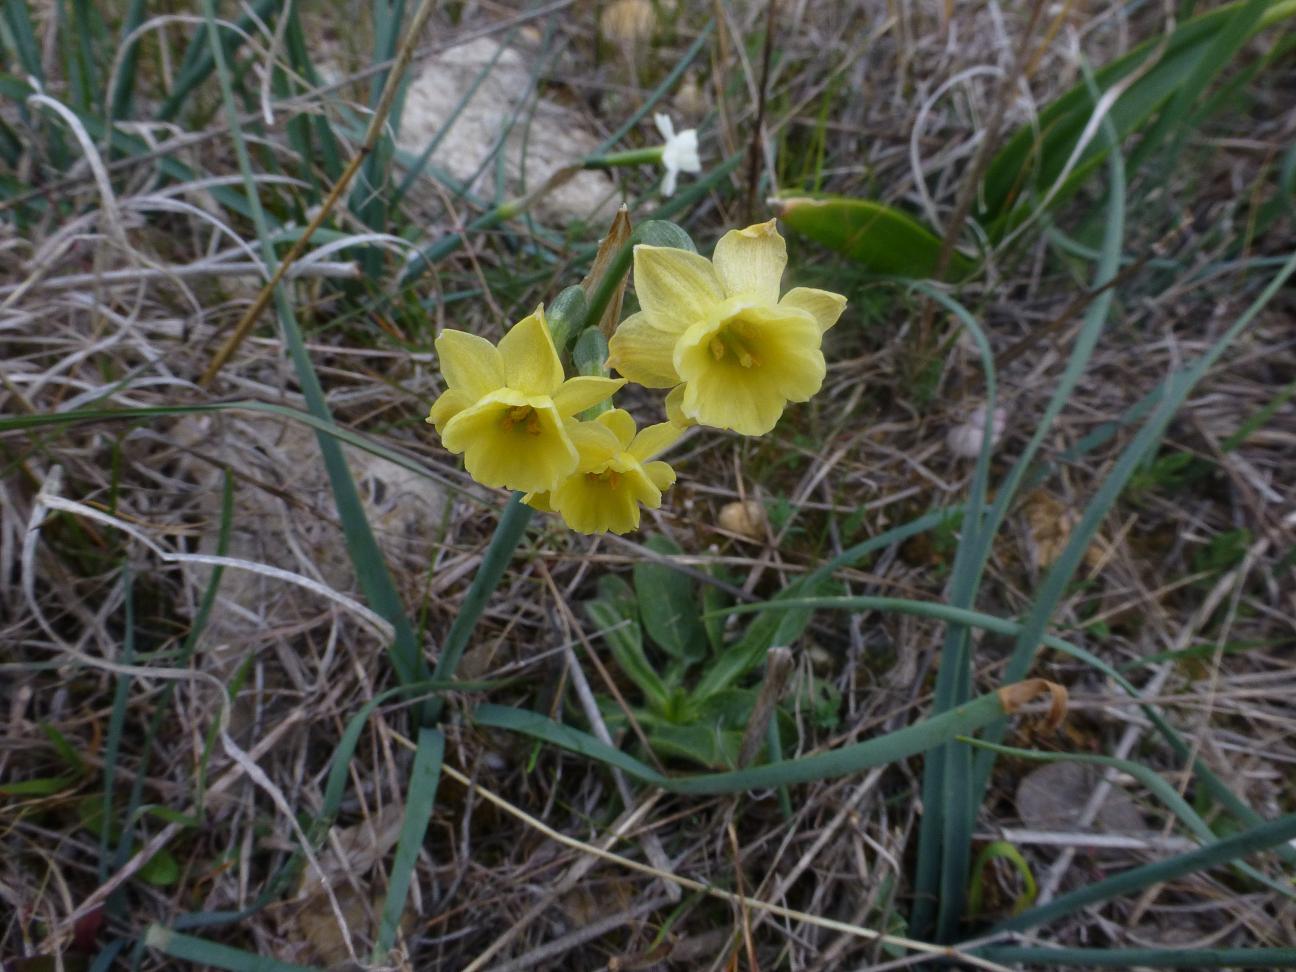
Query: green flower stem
(508, 534)
(505, 211)
(613, 160)
(443, 247)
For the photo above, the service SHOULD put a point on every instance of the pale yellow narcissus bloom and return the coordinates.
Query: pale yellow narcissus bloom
(717, 332)
(617, 473)
(508, 409)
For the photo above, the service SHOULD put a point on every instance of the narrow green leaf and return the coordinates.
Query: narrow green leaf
(1060, 574)
(945, 831)
(1002, 626)
(18, 19)
(420, 798)
(116, 722)
(1263, 837)
(512, 527)
(188, 948)
(366, 557)
(199, 61)
(879, 751)
(119, 103)
(67, 752)
(1159, 788)
(1044, 956)
(1033, 159)
(42, 786)
(876, 236)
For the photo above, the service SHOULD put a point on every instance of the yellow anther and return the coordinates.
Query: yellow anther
(726, 343)
(521, 413)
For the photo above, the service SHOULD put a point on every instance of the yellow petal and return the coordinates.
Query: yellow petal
(654, 440)
(621, 424)
(823, 305)
(675, 287)
(577, 394)
(675, 408)
(513, 442)
(470, 364)
(751, 262)
(531, 363)
(642, 352)
(596, 443)
(661, 474)
(449, 404)
(538, 501)
(725, 401)
(741, 370)
(606, 501)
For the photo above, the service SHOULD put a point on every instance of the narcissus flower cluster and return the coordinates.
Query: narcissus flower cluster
(717, 333)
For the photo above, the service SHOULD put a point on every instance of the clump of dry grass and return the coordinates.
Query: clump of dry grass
(118, 294)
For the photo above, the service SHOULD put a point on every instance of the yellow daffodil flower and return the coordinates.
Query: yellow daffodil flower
(617, 472)
(508, 409)
(718, 329)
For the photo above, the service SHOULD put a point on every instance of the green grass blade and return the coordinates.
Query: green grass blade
(316, 132)
(81, 57)
(1032, 160)
(18, 20)
(1043, 956)
(371, 570)
(901, 744)
(945, 832)
(1159, 788)
(123, 93)
(162, 709)
(420, 798)
(1002, 626)
(1176, 122)
(199, 61)
(749, 652)
(1260, 838)
(1140, 447)
(188, 948)
(415, 171)
(508, 533)
(116, 723)
(339, 772)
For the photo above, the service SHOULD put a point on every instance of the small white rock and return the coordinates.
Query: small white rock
(965, 440)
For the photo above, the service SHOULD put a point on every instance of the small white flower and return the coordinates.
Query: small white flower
(679, 154)
(965, 440)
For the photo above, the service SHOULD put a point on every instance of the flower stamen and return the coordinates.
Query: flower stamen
(728, 343)
(523, 415)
